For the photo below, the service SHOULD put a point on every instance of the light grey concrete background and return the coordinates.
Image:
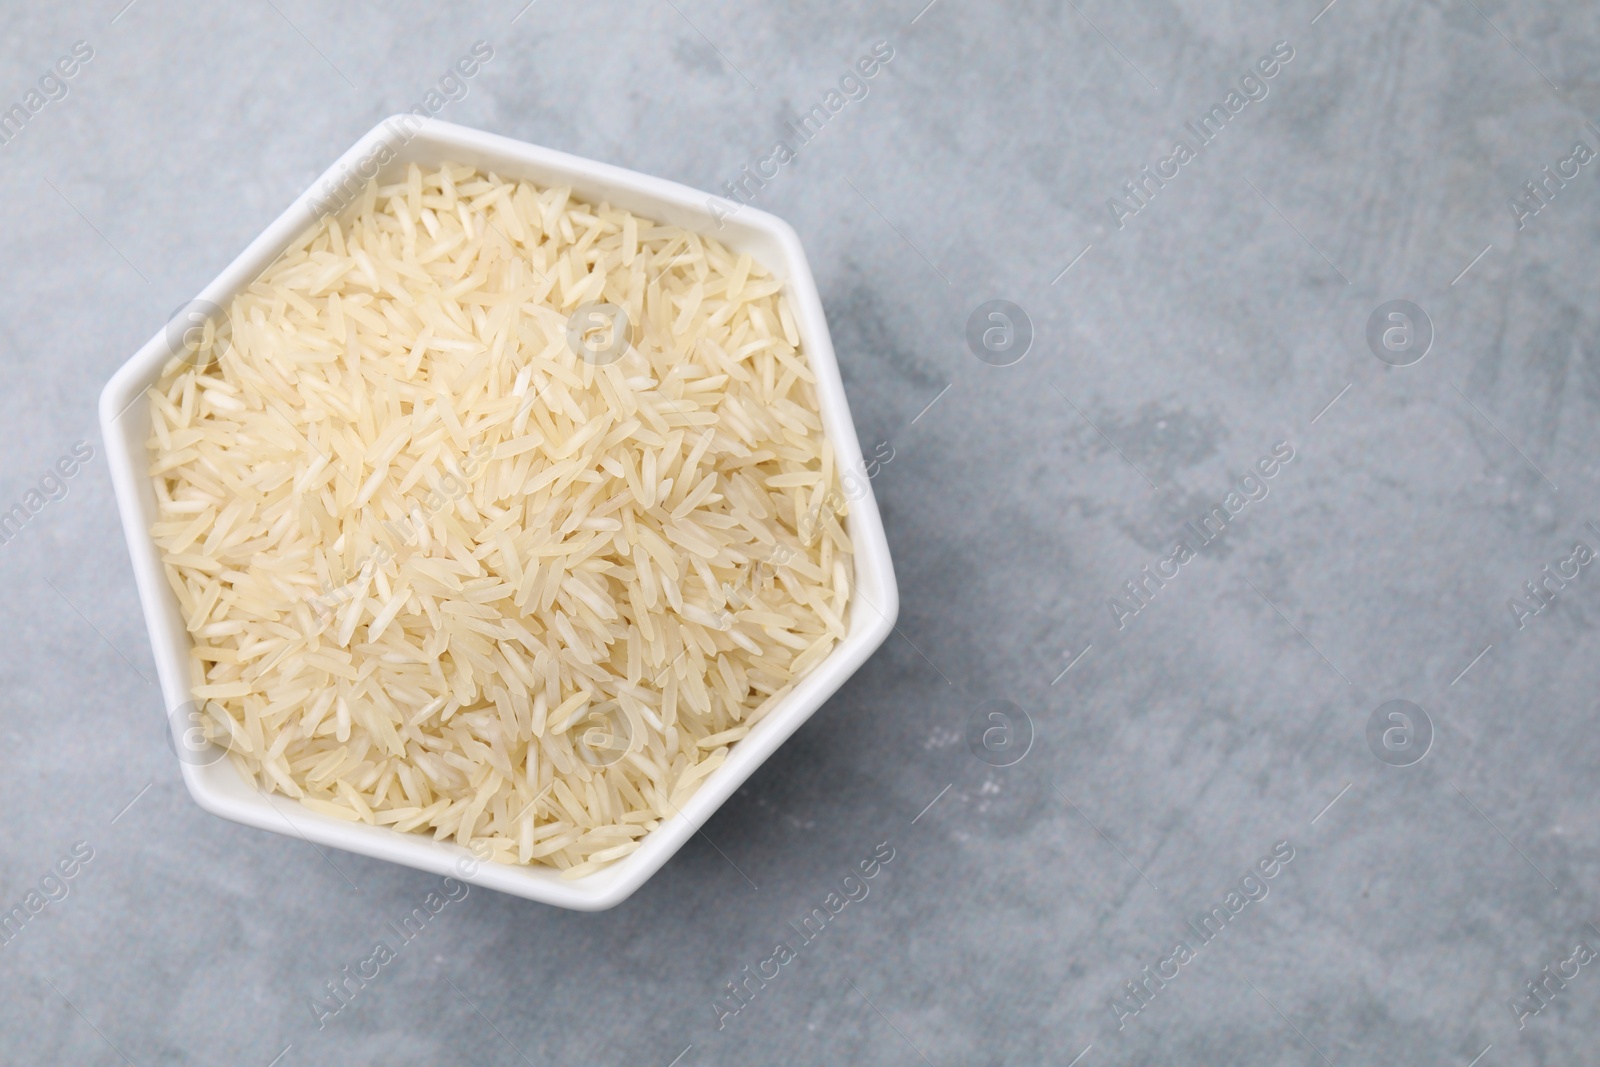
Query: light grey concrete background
(1221, 720)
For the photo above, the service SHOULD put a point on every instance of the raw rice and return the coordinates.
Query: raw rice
(443, 574)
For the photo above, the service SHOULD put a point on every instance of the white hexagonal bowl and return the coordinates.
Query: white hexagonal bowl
(386, 150)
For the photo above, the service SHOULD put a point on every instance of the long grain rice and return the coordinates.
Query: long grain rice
(445, 574)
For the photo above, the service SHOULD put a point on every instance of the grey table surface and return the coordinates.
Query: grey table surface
(1222, 313)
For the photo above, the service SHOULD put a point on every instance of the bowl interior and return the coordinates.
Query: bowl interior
(384, 153)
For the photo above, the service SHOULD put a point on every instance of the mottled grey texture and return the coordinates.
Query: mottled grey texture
(1174, 754)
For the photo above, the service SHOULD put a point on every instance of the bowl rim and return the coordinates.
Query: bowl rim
(874, 585)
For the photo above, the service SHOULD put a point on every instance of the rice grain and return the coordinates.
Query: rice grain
(444, 573)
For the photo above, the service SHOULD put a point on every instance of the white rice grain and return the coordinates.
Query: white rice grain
(432, 561)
